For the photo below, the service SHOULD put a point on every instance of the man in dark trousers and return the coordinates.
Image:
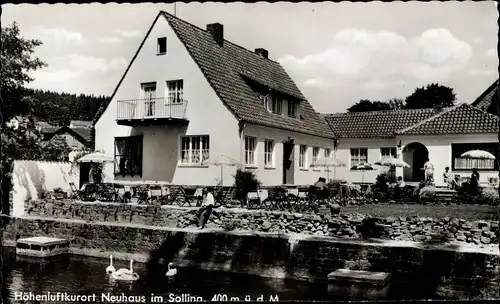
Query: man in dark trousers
(206, 207)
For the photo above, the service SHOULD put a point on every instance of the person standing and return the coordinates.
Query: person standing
(206, 207)
(448, 178)
(429, 172)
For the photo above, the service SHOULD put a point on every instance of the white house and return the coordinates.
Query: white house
(189, 94)
(414, 135)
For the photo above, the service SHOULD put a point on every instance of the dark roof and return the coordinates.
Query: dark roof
(83, 135)
(81, 123)
(226, 68)
(484, 101)
(460, 119)
(375, 124)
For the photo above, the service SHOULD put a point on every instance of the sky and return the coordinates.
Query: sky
(337, 53)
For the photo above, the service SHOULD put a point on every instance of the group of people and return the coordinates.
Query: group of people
(453, 182)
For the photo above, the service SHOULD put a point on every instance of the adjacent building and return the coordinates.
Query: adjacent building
(441, 134)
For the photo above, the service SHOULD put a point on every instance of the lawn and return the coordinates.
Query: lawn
(467, 212)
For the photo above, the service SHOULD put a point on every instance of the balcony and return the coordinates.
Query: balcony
(152, 111)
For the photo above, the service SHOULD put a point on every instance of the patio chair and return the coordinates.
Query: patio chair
(156, 193)
(174, 195)
(277, 199)
(220, 195)
(75, 192)
(142, 192)
(187, 196)
(106, 192)
(256, 196)
(121, 190)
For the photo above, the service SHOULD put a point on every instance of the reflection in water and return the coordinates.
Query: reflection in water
(85, 275)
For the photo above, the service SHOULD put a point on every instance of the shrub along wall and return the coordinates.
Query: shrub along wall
(348, 225)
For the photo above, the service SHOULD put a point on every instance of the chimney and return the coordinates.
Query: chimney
(262, 53)
(217, 32)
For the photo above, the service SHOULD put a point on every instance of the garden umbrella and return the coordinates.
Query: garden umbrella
(222, 161)
(328, 162)
(363, 167)
(95, 157)
(392, 162)
(478, 154)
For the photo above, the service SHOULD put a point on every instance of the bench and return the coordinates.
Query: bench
(359, 284)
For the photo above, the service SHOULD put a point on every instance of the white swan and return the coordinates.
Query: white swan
(124, 274)
(171, 271)
(110, 269)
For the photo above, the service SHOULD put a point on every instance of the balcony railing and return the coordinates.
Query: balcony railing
(152, 108)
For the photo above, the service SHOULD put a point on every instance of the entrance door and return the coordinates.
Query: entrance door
(288, 162)
(84, 174)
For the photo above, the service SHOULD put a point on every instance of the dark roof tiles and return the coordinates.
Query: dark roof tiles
(375, 124)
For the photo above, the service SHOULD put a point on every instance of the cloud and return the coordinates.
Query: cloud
(57, 35)
(91, 64)
(110, 40)
(127, 34)
(362, 55)
(480, 72)
(491, 53)
(51, 80)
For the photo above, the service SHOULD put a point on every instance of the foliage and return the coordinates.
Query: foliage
(430, 96)
(423, 97)
(244, 182)
(366, 105)
(335, 183)
(17, 61)
(491, 195)
(60, 108)
(55, 149)
(427, 193)
(381, 182)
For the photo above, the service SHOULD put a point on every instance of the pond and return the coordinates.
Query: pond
(80, 275)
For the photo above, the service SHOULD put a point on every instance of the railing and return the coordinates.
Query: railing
(151, 108)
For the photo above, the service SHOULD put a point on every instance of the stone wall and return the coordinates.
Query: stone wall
(347, 225)
(436, 271)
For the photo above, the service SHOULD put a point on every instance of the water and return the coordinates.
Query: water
(86, 275)
(80, 275)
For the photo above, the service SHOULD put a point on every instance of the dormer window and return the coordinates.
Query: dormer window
(274, 104)
(292, 108)
(162, 46)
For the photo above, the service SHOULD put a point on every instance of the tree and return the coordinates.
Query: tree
(56, 149)
(430, 96)
(17, 61)
(396, 103)
(366, 105)
(22, 143)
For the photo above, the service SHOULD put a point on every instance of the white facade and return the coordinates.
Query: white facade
(207, 115)
(438, 147)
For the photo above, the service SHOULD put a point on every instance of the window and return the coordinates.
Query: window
(292, 108)
(269, 153)
(273, 104)
(359, 155)
(327, 152)
(195, 149)
(162, 46)
(303, 157)
(388, 152)
(175, 91)
(250, 145)
(315, 154)
(459, 163)
(149, 95)
(128, 155)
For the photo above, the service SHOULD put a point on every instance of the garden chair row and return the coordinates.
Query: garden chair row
(300, 199)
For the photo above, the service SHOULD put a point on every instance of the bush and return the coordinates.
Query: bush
(381, 183)
(491, 196)
(427, 193)
(244, 182)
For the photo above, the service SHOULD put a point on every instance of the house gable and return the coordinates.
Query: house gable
(225, 68)
(487, 101)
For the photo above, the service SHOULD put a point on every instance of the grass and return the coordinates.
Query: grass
(467, 212)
